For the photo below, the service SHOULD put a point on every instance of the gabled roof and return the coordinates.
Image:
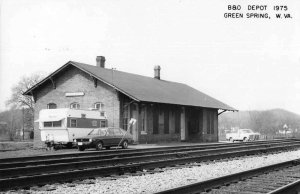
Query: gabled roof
(148, 89)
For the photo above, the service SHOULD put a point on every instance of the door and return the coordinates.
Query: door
(193, 123)
(109, 137)
(118, 135)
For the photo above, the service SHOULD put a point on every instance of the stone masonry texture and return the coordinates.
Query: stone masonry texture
(74, 80)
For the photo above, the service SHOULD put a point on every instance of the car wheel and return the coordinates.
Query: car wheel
(125, 144)
(107, 147)
(245, 139)
(230, 139)
(81, 148)
(99, 145)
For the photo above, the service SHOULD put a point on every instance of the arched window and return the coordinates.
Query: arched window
(51, 106)
(74, 105)
(100, 106)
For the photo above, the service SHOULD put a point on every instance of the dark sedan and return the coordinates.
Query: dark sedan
(104, 137)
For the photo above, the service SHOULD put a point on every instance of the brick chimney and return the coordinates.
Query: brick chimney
(157, 72)
(100, 61)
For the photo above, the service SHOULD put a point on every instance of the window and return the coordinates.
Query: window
(103, 124)
(110, 132)
(155, 120)
(101, 132)
(177, 121)
(57, 124)
(52, 124)
(47, 124)
(166, 121)
(75, 105)
(100, 106)
(51, 106)
(73, 123)
(144, 118)
(125, 117)
(161, 120)
(117, 132)
(94, 123)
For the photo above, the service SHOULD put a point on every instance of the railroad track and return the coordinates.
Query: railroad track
(166, 151)
(48, 169)
(281, 178)
(91, 155)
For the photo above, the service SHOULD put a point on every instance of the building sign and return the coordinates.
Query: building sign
(70, 94)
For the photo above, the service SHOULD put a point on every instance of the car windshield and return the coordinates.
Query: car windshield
(98, 131)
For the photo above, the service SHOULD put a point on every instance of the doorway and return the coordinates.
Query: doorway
(193, 124)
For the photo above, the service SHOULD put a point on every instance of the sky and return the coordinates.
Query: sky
(247, 63)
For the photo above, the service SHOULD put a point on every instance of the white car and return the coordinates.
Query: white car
(242, 135)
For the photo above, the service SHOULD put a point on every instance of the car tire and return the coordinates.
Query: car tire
(99, 145)
(125, 144)
(81, 148)
(230, 139)
(245, 139)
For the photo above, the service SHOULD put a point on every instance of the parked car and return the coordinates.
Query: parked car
(242, 135)
(104, 137)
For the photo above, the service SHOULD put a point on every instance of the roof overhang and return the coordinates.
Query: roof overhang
(224, 110)
(50, 119)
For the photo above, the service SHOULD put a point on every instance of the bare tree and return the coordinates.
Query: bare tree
(17, 98)
(18, 101)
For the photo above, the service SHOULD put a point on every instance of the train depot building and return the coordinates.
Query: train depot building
(164, 110)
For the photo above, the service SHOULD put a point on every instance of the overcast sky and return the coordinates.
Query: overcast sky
(246, 63)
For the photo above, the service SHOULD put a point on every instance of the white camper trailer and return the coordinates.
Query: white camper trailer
(61, 126)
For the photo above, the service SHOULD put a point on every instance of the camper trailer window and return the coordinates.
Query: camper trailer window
(103, 124)
(52, 124)
(47, 124)
(94, 123)
(73, 123)
(57, 124)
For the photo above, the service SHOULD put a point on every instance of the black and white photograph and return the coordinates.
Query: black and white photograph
(148, 96)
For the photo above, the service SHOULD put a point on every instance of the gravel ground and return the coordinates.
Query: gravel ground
(169, 178)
